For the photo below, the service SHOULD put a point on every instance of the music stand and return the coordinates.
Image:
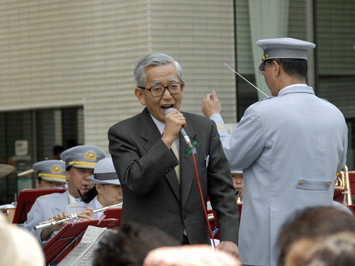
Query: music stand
(70, 236)
(113, 213)
(26, 199)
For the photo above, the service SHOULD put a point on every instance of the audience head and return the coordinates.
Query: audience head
(130, 245)
(194, 255)
(18, 247)
(337, 249)
(312, 222)
(80, 162)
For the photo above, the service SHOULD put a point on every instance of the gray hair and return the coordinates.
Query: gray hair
(154, 59)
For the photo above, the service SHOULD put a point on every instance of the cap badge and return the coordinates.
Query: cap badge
(90, 156)
(56, 169)
(264, 57)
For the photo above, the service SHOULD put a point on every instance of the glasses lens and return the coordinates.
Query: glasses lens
(174, 88)
(157, 91)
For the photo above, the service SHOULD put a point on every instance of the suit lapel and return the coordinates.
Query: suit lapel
(151, 134)
(187, 169)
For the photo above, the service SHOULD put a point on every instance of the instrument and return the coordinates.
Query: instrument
(342, 182)
(6, 169)
(9, 211)
(72, 216)
(238, 195)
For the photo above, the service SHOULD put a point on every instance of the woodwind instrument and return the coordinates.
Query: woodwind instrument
(72, 216)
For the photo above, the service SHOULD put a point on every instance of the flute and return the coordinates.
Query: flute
(72, 216)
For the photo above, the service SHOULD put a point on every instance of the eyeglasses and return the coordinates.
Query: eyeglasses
(158, 90)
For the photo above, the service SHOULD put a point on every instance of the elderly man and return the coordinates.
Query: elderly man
(289, 146)
(159, 184)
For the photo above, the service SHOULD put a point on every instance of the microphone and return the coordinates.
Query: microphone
(182, 131)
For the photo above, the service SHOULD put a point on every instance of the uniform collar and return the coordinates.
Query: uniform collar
(296, 88)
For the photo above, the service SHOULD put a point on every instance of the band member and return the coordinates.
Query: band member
(238, 183)
(80, 162)
(155, 191)
(289, 146)
(107, 190)
(50, 174)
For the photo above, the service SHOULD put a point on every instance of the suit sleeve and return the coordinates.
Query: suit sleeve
(221, 190)
(139, 168)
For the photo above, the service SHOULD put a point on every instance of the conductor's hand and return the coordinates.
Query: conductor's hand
(86, 215)
(173, 122)
(229, 247)
(46, 232)
(211, 104)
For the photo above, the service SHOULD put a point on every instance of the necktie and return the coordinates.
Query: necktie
(177, 168)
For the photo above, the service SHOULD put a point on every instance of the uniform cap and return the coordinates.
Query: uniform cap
(283, 48)
(82, 156)
(50, 170)
(105, 173)
(236, 171)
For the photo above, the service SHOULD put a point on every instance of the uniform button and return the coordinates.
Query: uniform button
(328, 184)
(301, 182)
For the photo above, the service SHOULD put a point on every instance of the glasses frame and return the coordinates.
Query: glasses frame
(165, 88)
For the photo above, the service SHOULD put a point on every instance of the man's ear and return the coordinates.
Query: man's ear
(98, 187)
(139, 94)
(277, 68)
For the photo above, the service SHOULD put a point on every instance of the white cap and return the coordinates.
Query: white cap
(105, 173)
(236, 171)
(283, 48)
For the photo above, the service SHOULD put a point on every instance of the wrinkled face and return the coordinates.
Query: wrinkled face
(238, 182)
(78, 178)
(109, 194)
(164, 75)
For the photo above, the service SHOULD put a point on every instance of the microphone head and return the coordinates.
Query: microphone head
(169, 110)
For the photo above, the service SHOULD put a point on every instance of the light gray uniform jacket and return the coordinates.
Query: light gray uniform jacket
(45, 207)
(290, 148)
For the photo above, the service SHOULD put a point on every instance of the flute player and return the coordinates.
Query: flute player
(80, 162)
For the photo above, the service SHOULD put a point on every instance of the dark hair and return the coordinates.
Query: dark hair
(89, 195)
(292, 67)
(130, 245)
(312, 222)
(57, 149)
(338, 249)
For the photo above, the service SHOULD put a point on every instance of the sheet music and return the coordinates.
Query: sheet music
(83, 253)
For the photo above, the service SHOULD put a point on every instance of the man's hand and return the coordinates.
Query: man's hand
(86, 215)
(173, 122)
(211, 104)
(47, 232)
(229, 247)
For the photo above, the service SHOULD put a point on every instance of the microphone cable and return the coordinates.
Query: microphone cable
(203, 202)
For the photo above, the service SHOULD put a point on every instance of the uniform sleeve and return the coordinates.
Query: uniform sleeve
(246, 142)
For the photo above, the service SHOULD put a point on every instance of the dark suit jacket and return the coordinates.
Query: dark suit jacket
(151, 192)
